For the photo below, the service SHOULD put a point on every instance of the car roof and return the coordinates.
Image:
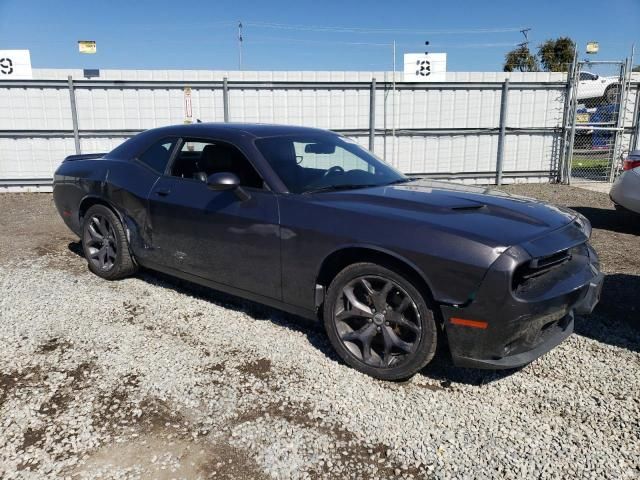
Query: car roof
(231, 132)
(257, 130)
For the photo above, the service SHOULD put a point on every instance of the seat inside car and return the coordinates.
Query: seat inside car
(212, 159)
(185, 167)
(218, 158)
(284, 154)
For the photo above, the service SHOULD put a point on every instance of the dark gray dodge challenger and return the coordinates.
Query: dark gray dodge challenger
(310, 222)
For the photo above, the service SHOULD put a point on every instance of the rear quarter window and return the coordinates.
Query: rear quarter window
(157, 155)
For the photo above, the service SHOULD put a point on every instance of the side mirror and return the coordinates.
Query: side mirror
(223, 181)
(219, 182)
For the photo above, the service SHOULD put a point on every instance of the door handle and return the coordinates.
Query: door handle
(163, 192)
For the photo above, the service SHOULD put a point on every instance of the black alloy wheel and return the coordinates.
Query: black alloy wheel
(379, 322)
(105, 245)
(100, 241)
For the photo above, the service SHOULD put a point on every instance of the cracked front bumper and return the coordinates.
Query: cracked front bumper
(516, 327)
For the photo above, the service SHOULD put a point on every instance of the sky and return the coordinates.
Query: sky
(306, 35)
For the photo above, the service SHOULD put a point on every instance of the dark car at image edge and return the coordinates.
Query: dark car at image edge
(309, 222)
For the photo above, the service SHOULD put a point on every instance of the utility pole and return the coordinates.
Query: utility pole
(239, 45)
(525, 32)
(393, 109)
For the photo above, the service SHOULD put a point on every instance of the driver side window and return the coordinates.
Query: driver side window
(198, 159)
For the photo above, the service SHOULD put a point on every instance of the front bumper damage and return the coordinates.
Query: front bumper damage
(512, 324)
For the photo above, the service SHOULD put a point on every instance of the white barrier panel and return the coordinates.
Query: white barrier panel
(441, 128)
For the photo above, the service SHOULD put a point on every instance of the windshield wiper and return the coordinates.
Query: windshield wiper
(335, 188)
(403, 180)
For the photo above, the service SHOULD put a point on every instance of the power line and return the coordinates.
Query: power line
(343, 29)
(259, 39)
(267, 39)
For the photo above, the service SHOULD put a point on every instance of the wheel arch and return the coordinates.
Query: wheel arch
(89, 201)
(128, 224)
(347, 255)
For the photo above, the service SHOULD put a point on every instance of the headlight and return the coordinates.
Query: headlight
(584, 225)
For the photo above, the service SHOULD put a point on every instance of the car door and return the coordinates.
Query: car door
(216, 235)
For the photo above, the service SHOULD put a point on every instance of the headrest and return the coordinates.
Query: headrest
(282, 152)
(217, 158)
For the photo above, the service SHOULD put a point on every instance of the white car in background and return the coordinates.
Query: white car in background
(592, 88)
(625, 192)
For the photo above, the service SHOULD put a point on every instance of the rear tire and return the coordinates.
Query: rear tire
(105, 245)
(378, 322)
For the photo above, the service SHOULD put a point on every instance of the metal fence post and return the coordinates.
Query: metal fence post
(622, 113)
(504, 100)
(225, 98)
(635, 141)
(74, 114)
(372, 114)
(577, 68)
(565, 133)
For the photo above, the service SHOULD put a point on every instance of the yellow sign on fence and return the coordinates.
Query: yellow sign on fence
(87, 46)
(582, 118)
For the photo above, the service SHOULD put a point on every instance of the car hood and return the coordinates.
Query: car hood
(492, 217)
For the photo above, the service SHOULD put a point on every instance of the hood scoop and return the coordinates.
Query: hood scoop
(467, 208)
(497, 210)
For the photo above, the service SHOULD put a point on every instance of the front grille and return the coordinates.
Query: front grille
(535, 276)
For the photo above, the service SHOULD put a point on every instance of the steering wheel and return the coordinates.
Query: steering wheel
(332, 170)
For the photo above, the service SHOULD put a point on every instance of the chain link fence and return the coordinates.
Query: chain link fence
(598, 109)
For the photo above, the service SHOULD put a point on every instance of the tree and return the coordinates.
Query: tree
(556, 55)
(520, 60)
(636, 68)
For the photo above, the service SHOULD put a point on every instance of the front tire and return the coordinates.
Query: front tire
(612, 94)
(105, 245)
(378, 322)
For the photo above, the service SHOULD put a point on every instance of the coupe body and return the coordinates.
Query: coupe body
(310, 222)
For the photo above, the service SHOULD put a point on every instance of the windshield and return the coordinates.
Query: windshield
(324, 162)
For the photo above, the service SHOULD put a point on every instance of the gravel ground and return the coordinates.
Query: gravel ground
(151, 377)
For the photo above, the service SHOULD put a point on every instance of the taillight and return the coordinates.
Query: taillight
(630, 163)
